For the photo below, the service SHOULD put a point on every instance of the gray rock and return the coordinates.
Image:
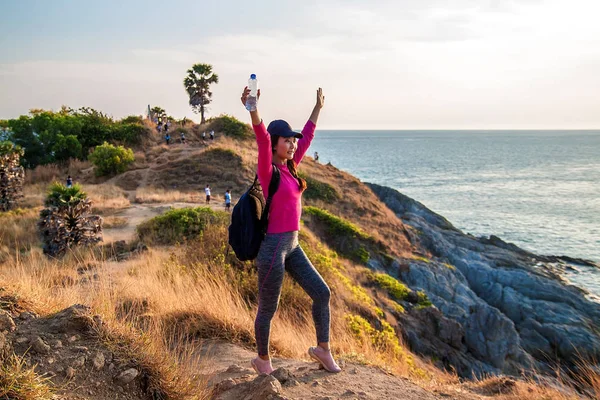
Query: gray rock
(126, 376)
(98, 360)
(283, 375)
(74, 319)
(79, 362)
(234, 368)
(27, 315)
(69, 372)
(262, 387)
(6, 322)
(513, 307)
(22, 340)
(39, 346)
(225, 385)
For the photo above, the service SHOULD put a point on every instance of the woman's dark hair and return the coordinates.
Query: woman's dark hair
(291, 164)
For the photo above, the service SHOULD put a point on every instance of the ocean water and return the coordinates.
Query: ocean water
(537, 189)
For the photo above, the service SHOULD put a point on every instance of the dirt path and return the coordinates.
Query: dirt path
(234, 378)
(138, 213)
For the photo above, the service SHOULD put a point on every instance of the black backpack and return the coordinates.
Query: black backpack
(250, 217)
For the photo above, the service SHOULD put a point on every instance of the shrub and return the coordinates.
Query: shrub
(384, 340)
(110, 160)
(132, 119)
(128, 132)
(66, 220)
(336, 225)
(180, 224)
(230, 126)
(397, 290)
(318, 190)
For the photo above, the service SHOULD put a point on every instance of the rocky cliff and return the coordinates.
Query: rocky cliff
(501, 309)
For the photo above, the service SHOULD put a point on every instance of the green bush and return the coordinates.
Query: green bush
(110, 160)
(132, 119)
(336, 225)
(423, 299)
(128, 133)
(318, 190)
(361, 254)
(397, 290)
(179, 225)
(230, 126)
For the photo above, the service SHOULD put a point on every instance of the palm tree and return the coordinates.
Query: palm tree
(197, 83)
(158, 112)
(66, 221)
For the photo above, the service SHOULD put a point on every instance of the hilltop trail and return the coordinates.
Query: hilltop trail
(228, 366)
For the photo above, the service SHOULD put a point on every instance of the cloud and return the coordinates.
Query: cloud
(387, 64)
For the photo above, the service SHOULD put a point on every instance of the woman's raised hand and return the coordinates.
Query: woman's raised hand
(246, 93)
(320, 98)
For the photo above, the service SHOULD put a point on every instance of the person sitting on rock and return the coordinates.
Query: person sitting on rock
(282, 148)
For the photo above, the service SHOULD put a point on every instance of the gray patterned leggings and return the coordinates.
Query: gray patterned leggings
(280, 252)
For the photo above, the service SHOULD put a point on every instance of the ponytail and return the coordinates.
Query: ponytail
(291, 164)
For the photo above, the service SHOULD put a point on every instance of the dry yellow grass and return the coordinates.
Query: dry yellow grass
(18, 231)
(158, 195)
(40, 281)
(114, 222)
(20, 381)
(106, 197)
(44, 174)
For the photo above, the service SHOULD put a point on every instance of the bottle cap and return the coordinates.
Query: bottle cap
(253, 76)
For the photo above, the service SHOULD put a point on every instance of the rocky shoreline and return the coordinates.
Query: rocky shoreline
(499, 309)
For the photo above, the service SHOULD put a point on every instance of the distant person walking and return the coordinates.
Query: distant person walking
(69, 181)
(228, 200)
(212, 135)
(282, 148)
(168, 139)
(183, 137)
(204, 136)
(207, 192)
(316, 156)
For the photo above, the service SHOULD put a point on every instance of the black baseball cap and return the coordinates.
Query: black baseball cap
(280, 127)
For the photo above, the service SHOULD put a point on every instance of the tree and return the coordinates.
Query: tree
(158, 112)
(197, 84)
(66, 220)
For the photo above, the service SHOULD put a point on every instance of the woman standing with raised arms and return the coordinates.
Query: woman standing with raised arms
(282, 148)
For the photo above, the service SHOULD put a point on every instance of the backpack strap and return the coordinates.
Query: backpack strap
(273, 186)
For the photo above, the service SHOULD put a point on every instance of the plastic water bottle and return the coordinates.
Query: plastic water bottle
(253, 96)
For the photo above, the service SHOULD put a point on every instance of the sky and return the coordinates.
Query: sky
(421, 64)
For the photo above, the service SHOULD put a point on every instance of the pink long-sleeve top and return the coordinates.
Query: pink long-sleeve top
(286, 206)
